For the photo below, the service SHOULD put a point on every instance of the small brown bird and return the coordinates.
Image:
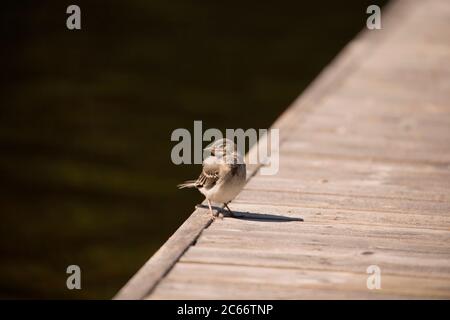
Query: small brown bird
(223, 175)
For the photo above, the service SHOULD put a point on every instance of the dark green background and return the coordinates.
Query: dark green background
(86, 118)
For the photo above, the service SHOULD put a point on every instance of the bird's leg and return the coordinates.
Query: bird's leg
(228, 208)
(210, 209)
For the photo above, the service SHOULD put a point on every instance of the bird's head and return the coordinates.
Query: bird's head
(221, 147)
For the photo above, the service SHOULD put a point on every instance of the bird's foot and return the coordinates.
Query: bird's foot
(228, 210)
(218, 215)
(214, 216)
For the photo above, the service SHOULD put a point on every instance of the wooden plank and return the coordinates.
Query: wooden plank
(407, 131)
(403, 132)
(357, 178)
(332, 259)
(274, 279)
(354, 148)
(291, 228)
(365, 162)
(197, 290)
(282, 241)
(356, 188)
(330, 201)
(267, 212)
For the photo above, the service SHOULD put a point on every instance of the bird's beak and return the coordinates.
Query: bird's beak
(209, 151)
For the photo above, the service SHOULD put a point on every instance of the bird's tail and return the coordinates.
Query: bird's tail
(187, 184)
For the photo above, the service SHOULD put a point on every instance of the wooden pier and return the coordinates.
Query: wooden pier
(364, 160)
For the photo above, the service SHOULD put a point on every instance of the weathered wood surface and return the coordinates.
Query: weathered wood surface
(364, 160)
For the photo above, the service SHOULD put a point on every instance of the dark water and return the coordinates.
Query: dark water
(86, 118)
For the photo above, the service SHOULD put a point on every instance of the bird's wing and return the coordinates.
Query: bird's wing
(209, 176)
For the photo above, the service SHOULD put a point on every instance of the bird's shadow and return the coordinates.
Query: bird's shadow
(246, 215)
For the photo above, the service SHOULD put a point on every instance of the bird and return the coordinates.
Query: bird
(223, 174)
